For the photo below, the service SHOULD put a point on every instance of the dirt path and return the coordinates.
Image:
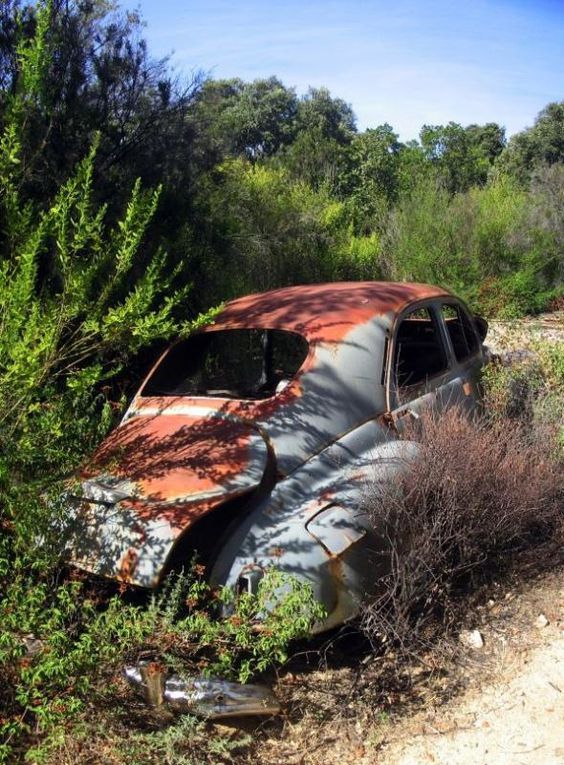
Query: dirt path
(522, 333)
(517, 720)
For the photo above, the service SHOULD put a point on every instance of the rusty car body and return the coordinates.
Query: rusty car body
(253, 440)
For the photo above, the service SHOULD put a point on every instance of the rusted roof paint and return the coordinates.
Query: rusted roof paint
(321, 312)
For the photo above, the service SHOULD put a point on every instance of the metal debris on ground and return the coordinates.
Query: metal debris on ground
(203, 696)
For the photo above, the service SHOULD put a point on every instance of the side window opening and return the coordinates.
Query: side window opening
(419, 351)
(460, 330)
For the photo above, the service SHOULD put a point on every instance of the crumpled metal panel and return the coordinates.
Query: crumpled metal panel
(336, 529)
(113, 541)
(279, 533)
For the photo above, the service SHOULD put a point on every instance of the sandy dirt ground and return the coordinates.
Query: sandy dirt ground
(518, 719)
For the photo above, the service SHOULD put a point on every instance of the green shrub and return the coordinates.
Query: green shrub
(485, 244)
(530, 390)
(78, 299)
(269, 230)
(60, 653)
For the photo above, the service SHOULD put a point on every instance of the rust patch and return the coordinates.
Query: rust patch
(182, 466)
(321, 312)
(128, 565)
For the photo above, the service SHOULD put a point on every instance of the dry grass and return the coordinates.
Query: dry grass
(481, 493)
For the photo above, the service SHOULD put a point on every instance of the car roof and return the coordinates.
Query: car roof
(322, 311)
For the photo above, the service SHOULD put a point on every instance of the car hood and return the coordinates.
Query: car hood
(151, 480)
(176, 458)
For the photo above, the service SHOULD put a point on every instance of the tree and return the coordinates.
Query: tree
(330, 117)
(324, 129)
(489, 140)
(462, 156)
(543, 143)
(318, 160)
(254, 119)
(375, 162)
(413, 167)
(96, 76)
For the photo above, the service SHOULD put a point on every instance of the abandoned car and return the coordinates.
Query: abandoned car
(252, 441)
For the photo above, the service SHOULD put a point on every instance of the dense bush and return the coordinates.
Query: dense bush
(79, 298)
(489, 245)
(479, 493)
(268, 229)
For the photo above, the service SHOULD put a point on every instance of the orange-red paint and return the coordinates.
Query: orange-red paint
(321, 312)
(173, 459)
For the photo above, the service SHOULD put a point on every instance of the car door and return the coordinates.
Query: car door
(465, 352)
(420, 373)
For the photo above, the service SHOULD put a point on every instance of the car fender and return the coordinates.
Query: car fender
(315, 524)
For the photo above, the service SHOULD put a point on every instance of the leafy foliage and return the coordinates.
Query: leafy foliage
(84, 68)
(482, 244)
(252, 119)
(462, 157)
(62, 332)
(252, 635)
(79, 298)
(60, 653)
(271, 230)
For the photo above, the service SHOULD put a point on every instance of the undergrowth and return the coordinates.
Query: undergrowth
(61, 652)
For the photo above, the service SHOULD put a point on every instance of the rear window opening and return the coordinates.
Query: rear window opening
(234, 363)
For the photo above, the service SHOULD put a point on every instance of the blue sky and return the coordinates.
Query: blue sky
(406, 62)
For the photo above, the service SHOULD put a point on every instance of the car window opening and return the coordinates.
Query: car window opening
(460, 330)
(235, 363)
(419, 353)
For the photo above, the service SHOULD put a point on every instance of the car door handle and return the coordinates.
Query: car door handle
(408, 412)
